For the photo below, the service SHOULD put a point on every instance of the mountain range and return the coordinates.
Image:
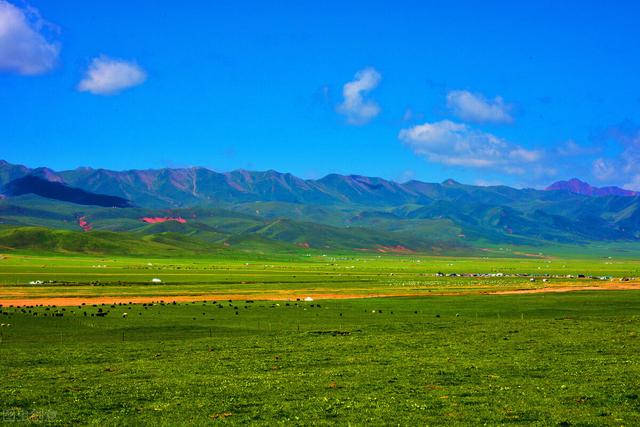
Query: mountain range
(263, 209)
(580, 187)
(57, 190)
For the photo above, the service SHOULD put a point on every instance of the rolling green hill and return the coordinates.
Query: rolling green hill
(333, 213)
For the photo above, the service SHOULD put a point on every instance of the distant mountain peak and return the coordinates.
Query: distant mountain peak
(450, 181)
(47, 174)
(578, 186)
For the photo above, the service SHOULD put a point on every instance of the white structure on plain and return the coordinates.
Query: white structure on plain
(156, 280)
(308, 299)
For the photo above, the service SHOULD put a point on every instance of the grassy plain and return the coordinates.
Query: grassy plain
(550, 359)
(459, 358)
(288, 276)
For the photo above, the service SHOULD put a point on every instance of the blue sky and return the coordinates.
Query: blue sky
(483, 92)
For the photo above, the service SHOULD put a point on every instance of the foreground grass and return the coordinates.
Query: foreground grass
(569, 359)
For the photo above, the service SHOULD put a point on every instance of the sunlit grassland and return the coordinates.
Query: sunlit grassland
(464, 358)
(294, 276)
(525, 359)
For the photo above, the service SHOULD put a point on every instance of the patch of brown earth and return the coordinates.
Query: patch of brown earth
(629, 286)
(394, 249)
(84, 223)
(285, 296)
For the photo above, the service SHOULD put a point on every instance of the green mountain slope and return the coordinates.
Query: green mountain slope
(339, 212)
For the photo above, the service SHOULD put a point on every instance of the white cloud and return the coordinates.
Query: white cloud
(407, 175)
(23, 48)
(456, 144)
(355, 107)
(487, 182)
(629, 166)
(570, 148)
(603, 169)
(625, 166)
(107, 76)
(634, 184)
(476, 108)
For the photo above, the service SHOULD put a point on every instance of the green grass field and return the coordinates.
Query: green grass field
(547, 359)
(286, 275)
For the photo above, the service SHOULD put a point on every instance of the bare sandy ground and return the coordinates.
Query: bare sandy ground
(624, 286)
(74, 301)
(287, 296)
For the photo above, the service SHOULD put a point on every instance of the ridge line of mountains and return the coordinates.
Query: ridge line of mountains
(337, 211)
(181, 187)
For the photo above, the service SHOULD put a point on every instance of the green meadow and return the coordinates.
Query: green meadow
(287, 274)
(444, 353)
(562, 359)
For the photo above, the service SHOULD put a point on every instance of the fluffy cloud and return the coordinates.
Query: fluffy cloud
(571, 148)
(456, 144)
(631, 167)
(23, 48)
(634, 184)
(355, 106)
(603, 169)
(476, 108)
(487, 182)
(625, 167)
(107, 76)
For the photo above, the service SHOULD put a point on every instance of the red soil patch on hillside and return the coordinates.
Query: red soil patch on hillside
(84, 224)
(387, 249)
(394, 249)
(159, 219)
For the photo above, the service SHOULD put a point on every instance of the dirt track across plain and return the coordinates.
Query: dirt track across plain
(288, 296)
